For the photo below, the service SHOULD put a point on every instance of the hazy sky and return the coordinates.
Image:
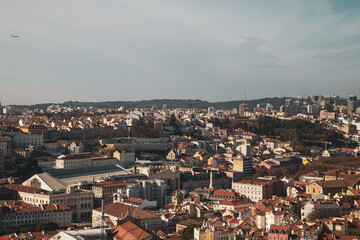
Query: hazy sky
(89, 50)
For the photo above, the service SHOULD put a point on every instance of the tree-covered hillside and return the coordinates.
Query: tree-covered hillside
(171, 103)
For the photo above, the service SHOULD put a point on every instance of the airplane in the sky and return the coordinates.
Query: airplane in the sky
(15, 36)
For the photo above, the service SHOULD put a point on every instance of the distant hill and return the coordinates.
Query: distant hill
(171, 103)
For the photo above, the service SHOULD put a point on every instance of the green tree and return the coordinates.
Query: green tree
(31, 168)
(15, 161)
(172, 120)
(315, 214)
(111, 151)
(48, 226)
(188, 232)
(9, 229)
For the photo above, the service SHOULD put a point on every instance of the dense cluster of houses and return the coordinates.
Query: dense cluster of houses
(202, 182)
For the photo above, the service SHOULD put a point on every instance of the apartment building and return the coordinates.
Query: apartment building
(75, 161)
(233, 205)
(325, 208)
(80, 202)
(212, 233)
(16, 213)
(190, 182)
(24, 140)
(170, 174)
(244, 165)
(76, 147)
(5, 145)
(52, 147)
(258, 189)
(279, 232)
(106, 190)
(125, 159)
(35, 129)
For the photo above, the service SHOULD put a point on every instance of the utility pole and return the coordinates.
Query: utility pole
(102, 218)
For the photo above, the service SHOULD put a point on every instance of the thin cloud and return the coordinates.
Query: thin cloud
(163, 49)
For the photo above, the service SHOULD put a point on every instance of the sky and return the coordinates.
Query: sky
(214, 50)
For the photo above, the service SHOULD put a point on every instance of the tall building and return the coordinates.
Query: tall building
(242, 110)
(352, 104)
(246, 150)
(151, 190)
(244, 165)
(316, 99)
(154, 190)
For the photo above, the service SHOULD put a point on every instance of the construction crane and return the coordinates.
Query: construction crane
(318, 141)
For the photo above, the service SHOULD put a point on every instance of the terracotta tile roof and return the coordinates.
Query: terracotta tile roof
(351, 180)
(222, 192)
(255, 181)
(331, 184)
(278, 213)
(120, 210)
(29, 235)
(355, 191)
(237, 202)
(297, 183)
(21, 188)
(130, 231)
(173, 235)
(136, 200)
(110, 184)
(233, 220)
(17, 206)
(280, 228)
(168, 206)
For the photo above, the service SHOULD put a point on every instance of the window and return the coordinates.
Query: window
(35, 183)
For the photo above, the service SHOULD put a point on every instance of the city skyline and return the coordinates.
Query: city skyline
(209, 50)
(246, 101)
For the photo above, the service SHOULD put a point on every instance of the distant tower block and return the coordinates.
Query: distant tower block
(242, 110)
(352, 104)
(243, 165)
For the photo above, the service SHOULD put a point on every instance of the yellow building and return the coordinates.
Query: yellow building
(305, 162)
(243, 165)
(198, 155)
(213, 233)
